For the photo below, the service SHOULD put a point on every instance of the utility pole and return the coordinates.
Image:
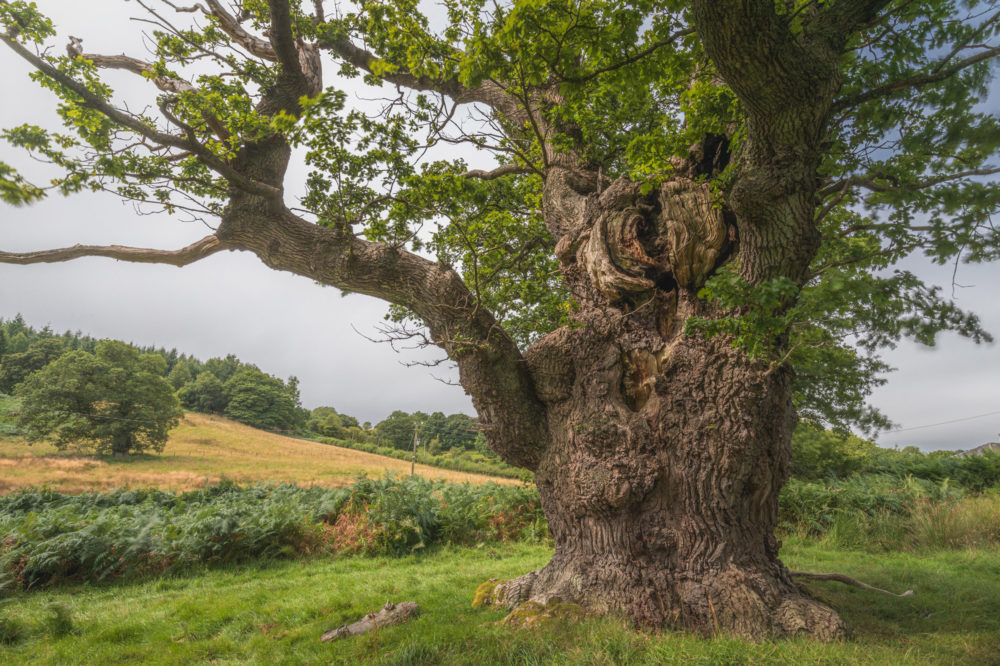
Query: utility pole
(413, 460)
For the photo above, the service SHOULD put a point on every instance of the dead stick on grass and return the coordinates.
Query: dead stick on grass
(847, 580)
(390, 614)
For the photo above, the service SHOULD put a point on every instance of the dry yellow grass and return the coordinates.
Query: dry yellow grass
(204, 449)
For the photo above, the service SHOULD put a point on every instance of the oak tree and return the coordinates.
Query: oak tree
(114, 401)
(683, 209)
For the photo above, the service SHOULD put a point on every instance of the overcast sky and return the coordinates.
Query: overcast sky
(288, 325)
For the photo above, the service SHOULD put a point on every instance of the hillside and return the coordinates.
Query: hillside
(205, 449)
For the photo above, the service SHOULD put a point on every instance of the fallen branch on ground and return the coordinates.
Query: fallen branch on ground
(390, 614)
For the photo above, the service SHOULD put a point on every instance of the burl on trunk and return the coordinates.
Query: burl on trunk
(666, 451)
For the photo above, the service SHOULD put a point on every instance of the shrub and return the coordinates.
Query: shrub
(454, 459)
(52, 537)
(811, 508)
(821, 454)
(882, 512)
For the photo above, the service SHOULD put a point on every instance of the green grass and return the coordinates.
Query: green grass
(276, 612)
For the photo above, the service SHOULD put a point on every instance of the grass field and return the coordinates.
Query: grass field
(276, 613)
(205, 449)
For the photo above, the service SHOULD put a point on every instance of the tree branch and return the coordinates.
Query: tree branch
(636, 57)
(139, 67)
(491, 366)
(499, 172)
(94, 101)
(868, 182)
(756, 54)
(937, 73)
(135, 124)
(847, 580)
(187, 255)
(300, 64)
(488, 93)
(835, 22)
(229, 25)
(282, 39)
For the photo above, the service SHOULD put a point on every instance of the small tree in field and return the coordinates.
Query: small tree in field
(114, 401)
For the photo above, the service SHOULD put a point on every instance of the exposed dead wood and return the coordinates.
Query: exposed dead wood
(390, 614)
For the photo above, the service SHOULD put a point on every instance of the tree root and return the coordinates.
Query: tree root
(847, 580)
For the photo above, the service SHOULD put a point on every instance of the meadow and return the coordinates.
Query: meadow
(208, 555)
(275, 612)
(205, 449)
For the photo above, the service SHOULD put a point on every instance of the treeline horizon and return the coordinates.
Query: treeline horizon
(242, 391)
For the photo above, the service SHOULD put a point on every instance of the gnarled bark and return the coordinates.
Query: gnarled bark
(666, 451)
(663, 505)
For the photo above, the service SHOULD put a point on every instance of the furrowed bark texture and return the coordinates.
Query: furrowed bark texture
(666, 451)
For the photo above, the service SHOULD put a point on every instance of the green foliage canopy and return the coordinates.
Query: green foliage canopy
(908, 164)
(113, 401)
(260, 400)
(205, 394)
(15, 368)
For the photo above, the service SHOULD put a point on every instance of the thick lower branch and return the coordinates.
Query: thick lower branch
(492, 370)
(187, 255)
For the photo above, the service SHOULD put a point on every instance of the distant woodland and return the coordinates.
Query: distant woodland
(244, 392)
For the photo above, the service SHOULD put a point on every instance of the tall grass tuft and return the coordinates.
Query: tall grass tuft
(12, 629)
(971, 523)
(884, 513)
(59, 620)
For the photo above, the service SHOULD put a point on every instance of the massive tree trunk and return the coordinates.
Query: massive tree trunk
(661, 486)
(666, 451)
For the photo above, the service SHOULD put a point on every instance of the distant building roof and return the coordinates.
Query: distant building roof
(979, 450)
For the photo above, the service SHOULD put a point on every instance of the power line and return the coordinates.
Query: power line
(931, 425)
